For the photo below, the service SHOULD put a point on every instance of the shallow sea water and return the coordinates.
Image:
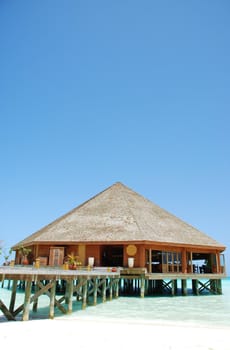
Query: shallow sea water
(201, 311)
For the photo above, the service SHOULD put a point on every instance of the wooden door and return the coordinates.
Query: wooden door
(56, 256)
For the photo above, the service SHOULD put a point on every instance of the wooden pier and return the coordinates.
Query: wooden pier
(82, 283)
(97, 283)
(137, 281)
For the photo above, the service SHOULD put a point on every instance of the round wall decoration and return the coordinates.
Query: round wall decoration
(131, 250)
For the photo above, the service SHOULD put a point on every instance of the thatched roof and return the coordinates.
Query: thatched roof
(119, 214)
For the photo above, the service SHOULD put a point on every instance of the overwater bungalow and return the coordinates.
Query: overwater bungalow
(126, 245)
(120, 228)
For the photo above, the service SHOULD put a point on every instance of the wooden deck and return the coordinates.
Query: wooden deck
(97, 282)
(83, 283)
(43, 273)
(138, 280)
(169, 275)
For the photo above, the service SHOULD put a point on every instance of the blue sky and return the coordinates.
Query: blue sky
(94, 92)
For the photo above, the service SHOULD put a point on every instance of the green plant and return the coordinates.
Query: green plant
(24, 251)
(73, 260)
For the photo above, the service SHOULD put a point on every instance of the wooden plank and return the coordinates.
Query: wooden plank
(133, 271)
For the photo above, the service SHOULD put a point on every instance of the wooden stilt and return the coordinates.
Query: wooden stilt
(95, 291)
(8, 286)
(184, 287)
(80, 289)
(147, 287)
(84, 294)
(117, 289)
(67, 292)
(110, 289)
(70, 302)
(52, 299)
(142, 287)
(176, 286)
(104, 290)
(26, 307)
(173, 291)
(195, 288)
(13, 295)
(35, 303)
(219, 286)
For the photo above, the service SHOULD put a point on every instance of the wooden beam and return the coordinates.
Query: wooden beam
(104, 290)
(13, 295)
(35, 303)
(67, 292)
(52, 299)
(142, 289)
(95, 291)
(117, 281)
(84, 294)
(184, 287)
(219, 286)
(46, 291)
(26, 306)
(70, 302)
(195, 288)
(110, 289)
(6, 312)
(174, 287)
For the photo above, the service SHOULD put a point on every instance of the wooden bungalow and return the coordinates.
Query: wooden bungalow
(119, 224)
(117, 228)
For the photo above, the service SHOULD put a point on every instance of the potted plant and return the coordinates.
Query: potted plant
(73, 261)
(24, 252)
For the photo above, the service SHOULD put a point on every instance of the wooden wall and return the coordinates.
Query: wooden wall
(83, 251)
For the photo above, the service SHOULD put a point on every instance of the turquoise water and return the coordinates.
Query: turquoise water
(203, 310)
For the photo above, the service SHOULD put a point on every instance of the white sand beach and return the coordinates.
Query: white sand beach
(180, 323)
(84, 335)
